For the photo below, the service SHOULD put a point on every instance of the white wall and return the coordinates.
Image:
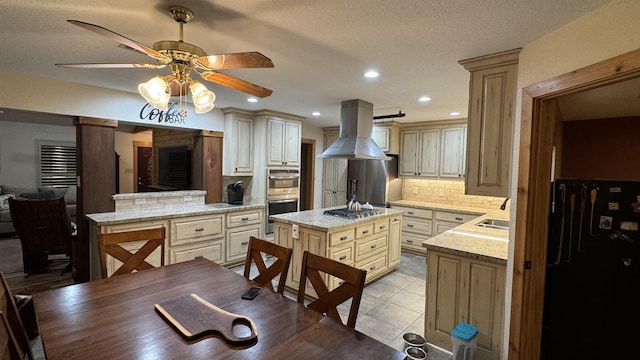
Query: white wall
(604, 33)
(18, 152)
(315, 133)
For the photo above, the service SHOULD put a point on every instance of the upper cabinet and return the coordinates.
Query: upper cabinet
(283, 143)
(433, 151)
(386, 136)
(238, 143)
(492, 92)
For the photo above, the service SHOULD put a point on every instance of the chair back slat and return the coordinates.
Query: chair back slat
(351, 288)
(9, 348)
(16, 328)
(267, 273)
(111, 245)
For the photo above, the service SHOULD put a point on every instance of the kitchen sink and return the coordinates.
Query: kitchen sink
(494, 224)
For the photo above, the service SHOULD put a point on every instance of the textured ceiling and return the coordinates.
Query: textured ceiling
(320, 48)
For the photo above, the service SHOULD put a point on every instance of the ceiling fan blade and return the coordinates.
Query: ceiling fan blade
(235, 83)
(111, 66)
(251, 59)
(123, 40)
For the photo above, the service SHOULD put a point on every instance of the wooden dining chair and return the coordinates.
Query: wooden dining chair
(110, 244)
(257, 247)
(351, 287)
(14, 322)
(9, 349)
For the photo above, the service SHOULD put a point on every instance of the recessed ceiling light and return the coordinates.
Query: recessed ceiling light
(424, 99)
(371, 74)
(315, 113)
(454, 113)
(251, 99)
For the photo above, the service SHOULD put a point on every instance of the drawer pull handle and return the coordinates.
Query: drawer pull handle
(409, 241)
(343, 257)
(382, 227)
(245, 219)
(244, 243)
(410, 212)
(409, 225)
(373, 246)
(459, 218)
(343, 238)
(341, 282)
(365, 231)
(372, 268)
(198, 257)
(199, 229)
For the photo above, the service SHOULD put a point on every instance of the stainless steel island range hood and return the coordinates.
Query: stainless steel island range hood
(356, 123)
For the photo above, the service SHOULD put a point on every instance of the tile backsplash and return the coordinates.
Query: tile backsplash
(447, 192)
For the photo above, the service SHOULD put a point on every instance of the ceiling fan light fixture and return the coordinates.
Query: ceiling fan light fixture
(202, 97)
(155, 91)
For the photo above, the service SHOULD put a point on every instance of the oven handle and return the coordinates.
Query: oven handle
(282, 201)
(284, 177)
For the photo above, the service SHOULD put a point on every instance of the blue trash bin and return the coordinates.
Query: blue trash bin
(464, 341)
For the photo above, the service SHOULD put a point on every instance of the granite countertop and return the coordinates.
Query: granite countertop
(468, 239)
(112, 218)
(317, 220)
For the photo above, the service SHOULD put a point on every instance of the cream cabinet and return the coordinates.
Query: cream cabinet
(241, 225)
(196, 236)
(387, 137)
(464, 289)
(283, 142)
(237, 154)
(373, 246)
(447, 220)
(334, 179)
(433, 151)
(492, 95)
(416, 227)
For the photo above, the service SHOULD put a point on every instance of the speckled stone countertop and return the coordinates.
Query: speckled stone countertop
(112, 218)
(317, 220)
(468, 239)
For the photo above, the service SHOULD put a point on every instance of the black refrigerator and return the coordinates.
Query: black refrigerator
(591, 306)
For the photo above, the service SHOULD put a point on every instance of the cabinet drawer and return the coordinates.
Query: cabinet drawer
(454, 216)
(341, 237)
(374, 266)
(244, 218)
(238, 242)
(364, 249)
(422, 213)
(416, 225)
(193, 230)
(380, 226)
(364, 230)
(209, 250)
(343, 254)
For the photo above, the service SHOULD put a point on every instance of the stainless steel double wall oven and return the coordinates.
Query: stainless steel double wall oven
(283, 193)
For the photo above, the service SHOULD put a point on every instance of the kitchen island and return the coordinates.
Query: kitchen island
(371, 243)
(219, 232)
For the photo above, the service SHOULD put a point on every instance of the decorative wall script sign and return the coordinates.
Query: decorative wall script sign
(174, 115)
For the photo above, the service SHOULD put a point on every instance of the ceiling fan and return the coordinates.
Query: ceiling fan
(182, 58)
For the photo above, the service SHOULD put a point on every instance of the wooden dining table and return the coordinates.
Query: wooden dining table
(115, 318)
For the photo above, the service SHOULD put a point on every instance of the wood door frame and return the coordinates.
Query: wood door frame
(310, 169)
(530, 240)
(136, 145)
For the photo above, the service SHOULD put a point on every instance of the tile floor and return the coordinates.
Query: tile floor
(392, 305)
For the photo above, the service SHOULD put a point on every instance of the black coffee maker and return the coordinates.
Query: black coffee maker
(235, 193)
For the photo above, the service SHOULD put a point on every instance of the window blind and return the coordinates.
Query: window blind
(57, 164)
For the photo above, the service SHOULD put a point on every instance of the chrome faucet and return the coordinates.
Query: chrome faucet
(504, 204)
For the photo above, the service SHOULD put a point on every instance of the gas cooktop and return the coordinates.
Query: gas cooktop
(351, 214)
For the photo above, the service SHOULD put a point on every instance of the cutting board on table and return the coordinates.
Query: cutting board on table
(194, 317)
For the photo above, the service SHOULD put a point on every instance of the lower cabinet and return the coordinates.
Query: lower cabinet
(196, 236)
(241, 226)
(416, 227)
(213, 250)
(447, 220)
(463, 289)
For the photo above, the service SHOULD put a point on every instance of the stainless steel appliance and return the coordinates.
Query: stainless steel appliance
(283, 194)
(377, 181)
(351, 214)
